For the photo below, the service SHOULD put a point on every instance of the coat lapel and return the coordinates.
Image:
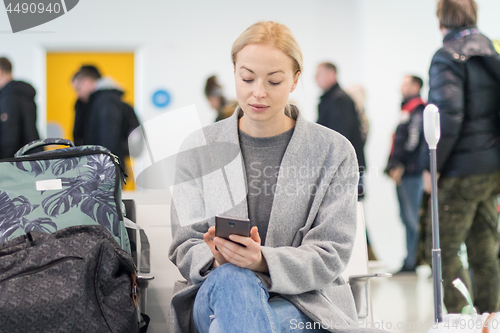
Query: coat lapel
(291, 189)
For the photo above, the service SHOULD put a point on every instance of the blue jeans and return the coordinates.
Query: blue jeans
(233, 299)
(410, 193)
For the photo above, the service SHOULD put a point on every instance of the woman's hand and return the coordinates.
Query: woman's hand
(249, 257)
(208, 237)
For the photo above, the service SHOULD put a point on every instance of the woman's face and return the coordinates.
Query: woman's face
(264, 78)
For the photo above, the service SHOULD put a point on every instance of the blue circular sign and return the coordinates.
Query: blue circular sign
(161, 98)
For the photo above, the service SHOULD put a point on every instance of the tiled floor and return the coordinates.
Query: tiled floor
(403, 303)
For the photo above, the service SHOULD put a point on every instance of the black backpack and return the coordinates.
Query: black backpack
(76, 279)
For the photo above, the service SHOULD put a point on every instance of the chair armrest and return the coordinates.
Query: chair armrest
(143, 280)
(361, 291)
(142, 284)
(366, 277)
(145, 277)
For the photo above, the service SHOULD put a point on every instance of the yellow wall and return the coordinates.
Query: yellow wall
(61, 97)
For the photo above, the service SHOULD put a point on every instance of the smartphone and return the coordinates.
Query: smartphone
(225, 226)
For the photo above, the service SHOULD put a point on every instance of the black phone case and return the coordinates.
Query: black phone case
(225, 226)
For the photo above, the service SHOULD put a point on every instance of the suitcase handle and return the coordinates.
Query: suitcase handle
(41, 143)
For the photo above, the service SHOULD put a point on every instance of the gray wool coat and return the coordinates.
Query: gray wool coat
(311, 228)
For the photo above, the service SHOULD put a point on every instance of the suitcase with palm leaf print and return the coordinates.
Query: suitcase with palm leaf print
(51, 190)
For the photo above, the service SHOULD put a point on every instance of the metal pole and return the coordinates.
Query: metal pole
(436, 250)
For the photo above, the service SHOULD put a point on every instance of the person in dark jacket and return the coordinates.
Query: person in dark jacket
(464, 80)
(17, 112)
(101, 117)
(405, 166)
(337, 111)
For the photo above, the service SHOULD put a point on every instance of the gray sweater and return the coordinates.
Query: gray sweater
(311, 228)
(262, 159)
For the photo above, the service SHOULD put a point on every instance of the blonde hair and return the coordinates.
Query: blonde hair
(271, 33)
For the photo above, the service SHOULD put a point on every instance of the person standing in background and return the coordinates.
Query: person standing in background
(17, 112)
(405, 165)
(464, 82)
(101, 117)
(336, 110)
(213, 92)
(358, 96)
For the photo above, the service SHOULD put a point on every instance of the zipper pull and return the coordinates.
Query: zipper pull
(117, 162)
